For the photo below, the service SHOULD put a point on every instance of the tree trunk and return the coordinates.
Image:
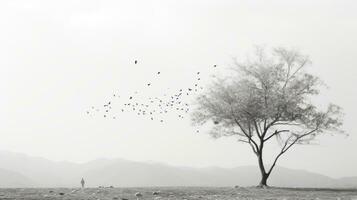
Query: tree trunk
(264, 175)
(263, 181)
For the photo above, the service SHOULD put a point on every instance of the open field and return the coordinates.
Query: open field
(174, 193)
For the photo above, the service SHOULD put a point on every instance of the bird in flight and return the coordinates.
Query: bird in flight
(136, 62)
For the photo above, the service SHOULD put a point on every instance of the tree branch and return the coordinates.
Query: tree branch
(269, 125)
(257, 129)
(287, 146)
(275, 133)
(248, 142)
(251, 141)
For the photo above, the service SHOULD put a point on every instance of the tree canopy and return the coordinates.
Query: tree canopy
(266, 97)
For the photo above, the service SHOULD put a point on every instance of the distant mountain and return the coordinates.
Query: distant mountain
(19, 170)
(347, 182)
(13, 179)
(43, 172)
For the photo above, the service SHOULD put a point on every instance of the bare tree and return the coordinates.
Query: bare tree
(267, 97)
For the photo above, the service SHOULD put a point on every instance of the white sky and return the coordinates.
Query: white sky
(58, 58)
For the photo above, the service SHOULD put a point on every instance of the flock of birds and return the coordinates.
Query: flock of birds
(154, 108)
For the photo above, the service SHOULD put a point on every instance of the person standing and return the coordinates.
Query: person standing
(82, 183)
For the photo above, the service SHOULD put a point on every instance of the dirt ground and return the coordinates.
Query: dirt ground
(174, 193)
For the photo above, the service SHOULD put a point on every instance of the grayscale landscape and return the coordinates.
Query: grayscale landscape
(178, 99)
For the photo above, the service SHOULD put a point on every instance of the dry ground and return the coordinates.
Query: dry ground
(174, 193)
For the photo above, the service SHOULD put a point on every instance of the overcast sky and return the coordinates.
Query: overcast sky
(59, 58)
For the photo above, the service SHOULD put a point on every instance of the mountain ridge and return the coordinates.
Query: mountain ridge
(40, 172)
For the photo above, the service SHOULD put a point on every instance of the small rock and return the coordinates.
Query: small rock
(138, 195)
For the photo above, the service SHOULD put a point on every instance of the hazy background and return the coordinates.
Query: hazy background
(58, 58)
